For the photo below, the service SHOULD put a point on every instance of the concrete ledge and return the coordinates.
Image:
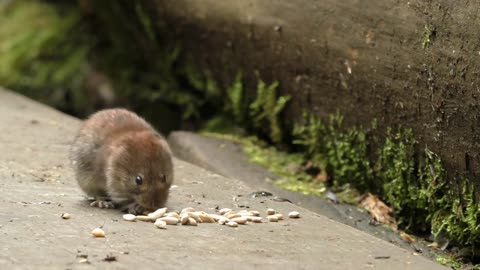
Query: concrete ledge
(37, 187)
(228, 159)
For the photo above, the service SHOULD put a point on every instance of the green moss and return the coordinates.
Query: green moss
(397, 171)
(40, 55)
(222, 124)
(309, 134)
(285, 165)
(418, 189)
(450, 261)
(348, 194)
(458, 217)
(342, 152)
(236, 104)
(260, 114)
(413, 182)
(265, 110)
(146, 21)
(428, 36)
(211, 87)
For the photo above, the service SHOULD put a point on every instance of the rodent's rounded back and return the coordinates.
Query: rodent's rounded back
(110, 123)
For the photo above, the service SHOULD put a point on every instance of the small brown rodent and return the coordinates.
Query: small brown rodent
(120, 160)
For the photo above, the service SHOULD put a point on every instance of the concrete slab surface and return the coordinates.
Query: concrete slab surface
(37, 186)
(232, 162)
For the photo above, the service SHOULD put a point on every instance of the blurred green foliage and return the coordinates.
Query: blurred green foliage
(56, 52)
(40, 53)
(147, 67)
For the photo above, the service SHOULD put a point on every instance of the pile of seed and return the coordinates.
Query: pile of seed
(189, 216)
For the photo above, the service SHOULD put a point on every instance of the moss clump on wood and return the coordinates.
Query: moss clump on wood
(258, 113)
(342, 152)
(236, 104)
(413, 182)
(397, 172)
(265, 110)
(423, 196)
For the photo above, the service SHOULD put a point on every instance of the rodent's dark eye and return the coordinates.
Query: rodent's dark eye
(139, 180)
(163, 178)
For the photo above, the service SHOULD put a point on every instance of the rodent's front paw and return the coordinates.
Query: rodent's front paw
(102, 204)
(136, 209)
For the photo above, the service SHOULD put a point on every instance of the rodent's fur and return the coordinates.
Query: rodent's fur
(113, 147)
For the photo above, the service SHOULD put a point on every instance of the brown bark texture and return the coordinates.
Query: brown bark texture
(411, 63)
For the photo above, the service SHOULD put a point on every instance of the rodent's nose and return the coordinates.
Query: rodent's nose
(155, 202)
(149, 201)
(154, 198)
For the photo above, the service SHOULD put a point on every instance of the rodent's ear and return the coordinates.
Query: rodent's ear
(163, 178)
